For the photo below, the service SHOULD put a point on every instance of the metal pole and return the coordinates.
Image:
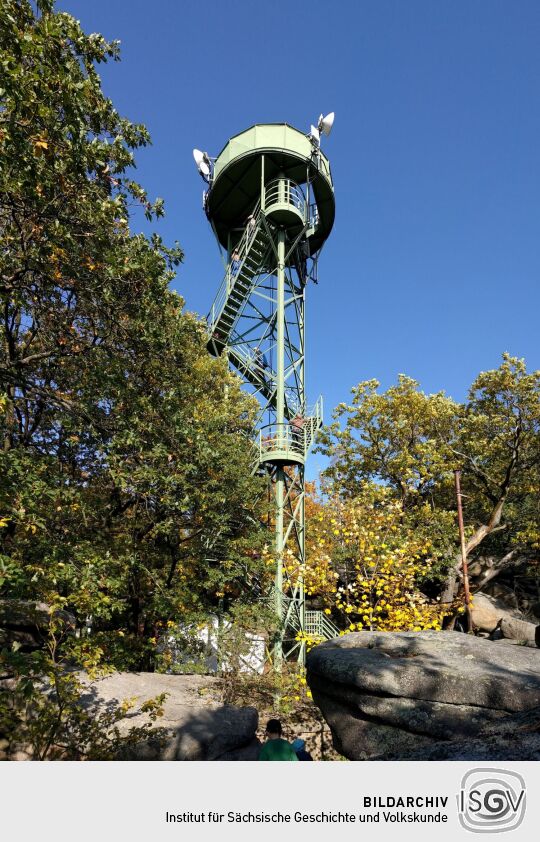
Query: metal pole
(301, 478)
(229, 254)
(280, 325)
(464, 564)
(278, 582)
(302, 554)
(280, 431)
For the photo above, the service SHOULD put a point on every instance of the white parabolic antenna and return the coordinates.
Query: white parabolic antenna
(325, 123)
(203, 163)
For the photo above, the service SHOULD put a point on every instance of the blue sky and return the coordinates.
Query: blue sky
(433, 265)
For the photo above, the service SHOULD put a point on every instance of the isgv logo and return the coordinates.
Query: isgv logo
(491, 800)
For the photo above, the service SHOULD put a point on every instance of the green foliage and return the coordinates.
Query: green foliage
(181, 651)
(401, 437)
(48, 711)
(42, 713)
(412, 443)
(125, 486)
(282, 692)
(498, 447)
(365, 564)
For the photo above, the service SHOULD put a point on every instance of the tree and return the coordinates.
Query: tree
(126, 491)
(401, 438)
(498, 447)
(412, 443)
(364, 564)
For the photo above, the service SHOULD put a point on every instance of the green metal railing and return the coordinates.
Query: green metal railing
(282, 439)
(290, 441)
(283, 191)
(318, 625)
(278, 192)
(249, 361)
(252, 234)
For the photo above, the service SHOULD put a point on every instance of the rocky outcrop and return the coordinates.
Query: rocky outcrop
(490, 614)
(516, 737)
(196, 725)
(391, 693)
(27, 623)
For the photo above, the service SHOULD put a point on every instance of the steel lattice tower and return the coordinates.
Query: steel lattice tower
(271, 206)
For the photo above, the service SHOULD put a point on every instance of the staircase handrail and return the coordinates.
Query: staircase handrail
(284, 191)
(284, 436)
(319, 626)
(227, 284)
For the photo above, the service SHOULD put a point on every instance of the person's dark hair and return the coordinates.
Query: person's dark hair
(274, 727)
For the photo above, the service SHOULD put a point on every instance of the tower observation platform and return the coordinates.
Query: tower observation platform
(270, 202)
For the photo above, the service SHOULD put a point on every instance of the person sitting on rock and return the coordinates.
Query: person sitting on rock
(275, 747)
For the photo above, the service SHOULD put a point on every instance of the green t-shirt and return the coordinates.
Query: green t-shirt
(277, 750)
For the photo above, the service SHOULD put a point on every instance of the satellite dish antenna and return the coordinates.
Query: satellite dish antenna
(203, 163)
(314, 136)
(325, 123)
(204, 170)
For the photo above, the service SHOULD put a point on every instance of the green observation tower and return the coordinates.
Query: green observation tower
(270, 202)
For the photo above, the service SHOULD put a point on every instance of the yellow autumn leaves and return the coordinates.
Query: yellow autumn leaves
(363, 564)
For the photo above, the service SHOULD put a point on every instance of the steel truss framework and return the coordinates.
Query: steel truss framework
(271, 206)
(258, 320)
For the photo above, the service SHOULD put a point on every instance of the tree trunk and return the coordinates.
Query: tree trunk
(509, 560)
(452, 580)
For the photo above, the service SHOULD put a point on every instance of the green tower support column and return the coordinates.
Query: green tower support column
(280, 421)
(278, 580)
